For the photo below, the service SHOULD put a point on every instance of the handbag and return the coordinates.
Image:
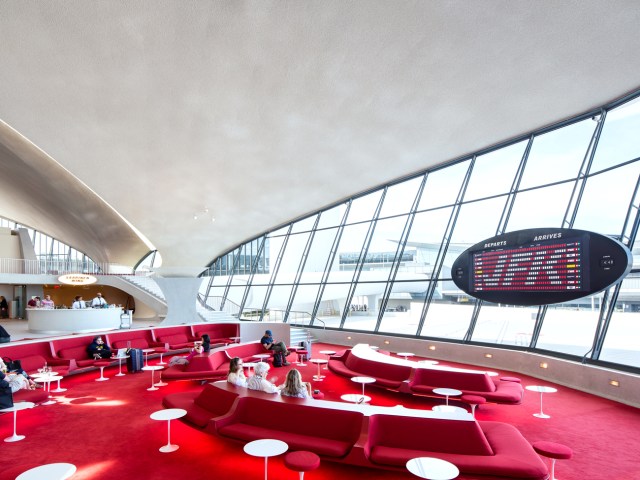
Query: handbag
(12, 365)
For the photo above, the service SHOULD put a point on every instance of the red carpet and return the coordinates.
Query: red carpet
(104, 429)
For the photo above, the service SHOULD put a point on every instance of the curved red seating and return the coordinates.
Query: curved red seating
(494, 449)
(468, 382)
(387, 375)
(206, 366)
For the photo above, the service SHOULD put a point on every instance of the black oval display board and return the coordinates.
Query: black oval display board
(539, 266)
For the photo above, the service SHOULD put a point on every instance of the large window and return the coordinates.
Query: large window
(381, 262)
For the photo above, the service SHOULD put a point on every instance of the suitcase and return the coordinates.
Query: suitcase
(135, 362)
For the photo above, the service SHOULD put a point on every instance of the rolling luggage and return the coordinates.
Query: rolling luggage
(135, 362)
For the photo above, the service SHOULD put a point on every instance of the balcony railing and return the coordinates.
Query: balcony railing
(60, 267)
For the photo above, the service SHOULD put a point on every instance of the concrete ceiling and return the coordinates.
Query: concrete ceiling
(145, 113)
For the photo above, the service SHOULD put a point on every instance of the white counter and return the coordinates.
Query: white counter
(86, 320)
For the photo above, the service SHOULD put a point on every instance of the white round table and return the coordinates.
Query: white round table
(266, 448)
(51, 471)
(541, 389)
(152, 369)
(328, 353)
(363, 381)
(432, 468)
(428, 362)
(406, 355)
(447, 392)
(168, 415)
(47, 379)
(51, 374)
(146, 352)
(262, 356)
(15, 409)
(355, 398)
(318, 361)
(449, 409)
(120, 372)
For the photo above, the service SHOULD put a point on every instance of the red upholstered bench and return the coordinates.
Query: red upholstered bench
(202, 405)
(554, 451)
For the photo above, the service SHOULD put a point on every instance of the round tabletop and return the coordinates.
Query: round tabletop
(448, 409)
(318, 360)
(447, 392)
(355, 398)
(168, 414)
(541, 389)
(51, 471)
(405, 354)
(327, 352)
(153, 367)
(47, 379)
(373, 347)
(428, 362)
(266, 447)
(432, 468)
(262, 356)
(19, 406)
(363, 379)
(38, 374)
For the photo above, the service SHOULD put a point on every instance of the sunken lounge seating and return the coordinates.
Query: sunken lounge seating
(206, 366)
(74, 349)
(219, 333)
(387, 375)
(468, 382)
(492, 450)
(177, 337)
(246, 351)
(202, 406)
(141, 339)
(324, 431)
(364, 435)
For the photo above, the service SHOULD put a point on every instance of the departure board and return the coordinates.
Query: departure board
(545, 266)
(541, 266)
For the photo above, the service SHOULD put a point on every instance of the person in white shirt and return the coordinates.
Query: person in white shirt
(98, 302)
(236, 374)
(258, 382)
(78, 303)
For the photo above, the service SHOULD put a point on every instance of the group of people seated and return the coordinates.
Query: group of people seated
(16, 378)
(292, 387)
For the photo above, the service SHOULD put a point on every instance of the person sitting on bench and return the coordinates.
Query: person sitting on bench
(278, 347)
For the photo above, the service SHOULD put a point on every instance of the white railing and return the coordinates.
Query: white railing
(60, 267)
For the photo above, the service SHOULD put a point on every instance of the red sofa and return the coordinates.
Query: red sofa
(141, 339)
(324, 431)
(202, 406)
(219, 333)
(492, 450)
(177, 337)
(246, 351)
(74, 349)
(387, 375)
(469, 383)
(206, 366)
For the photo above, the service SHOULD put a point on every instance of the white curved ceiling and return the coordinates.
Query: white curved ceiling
(264, 111)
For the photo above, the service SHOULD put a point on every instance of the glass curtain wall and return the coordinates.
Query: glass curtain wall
(54, 256)
(381, 262)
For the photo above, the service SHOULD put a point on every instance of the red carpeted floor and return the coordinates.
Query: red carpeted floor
(105, 430)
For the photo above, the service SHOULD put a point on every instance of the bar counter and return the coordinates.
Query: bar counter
(54, 321)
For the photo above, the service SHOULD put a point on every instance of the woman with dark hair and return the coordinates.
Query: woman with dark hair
(236, 374)
(206, 342)
(98, 349)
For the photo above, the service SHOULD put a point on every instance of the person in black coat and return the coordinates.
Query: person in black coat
(98, 349)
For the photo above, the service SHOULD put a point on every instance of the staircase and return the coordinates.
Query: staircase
(147, 284)
(297, 335)
(214, 316)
